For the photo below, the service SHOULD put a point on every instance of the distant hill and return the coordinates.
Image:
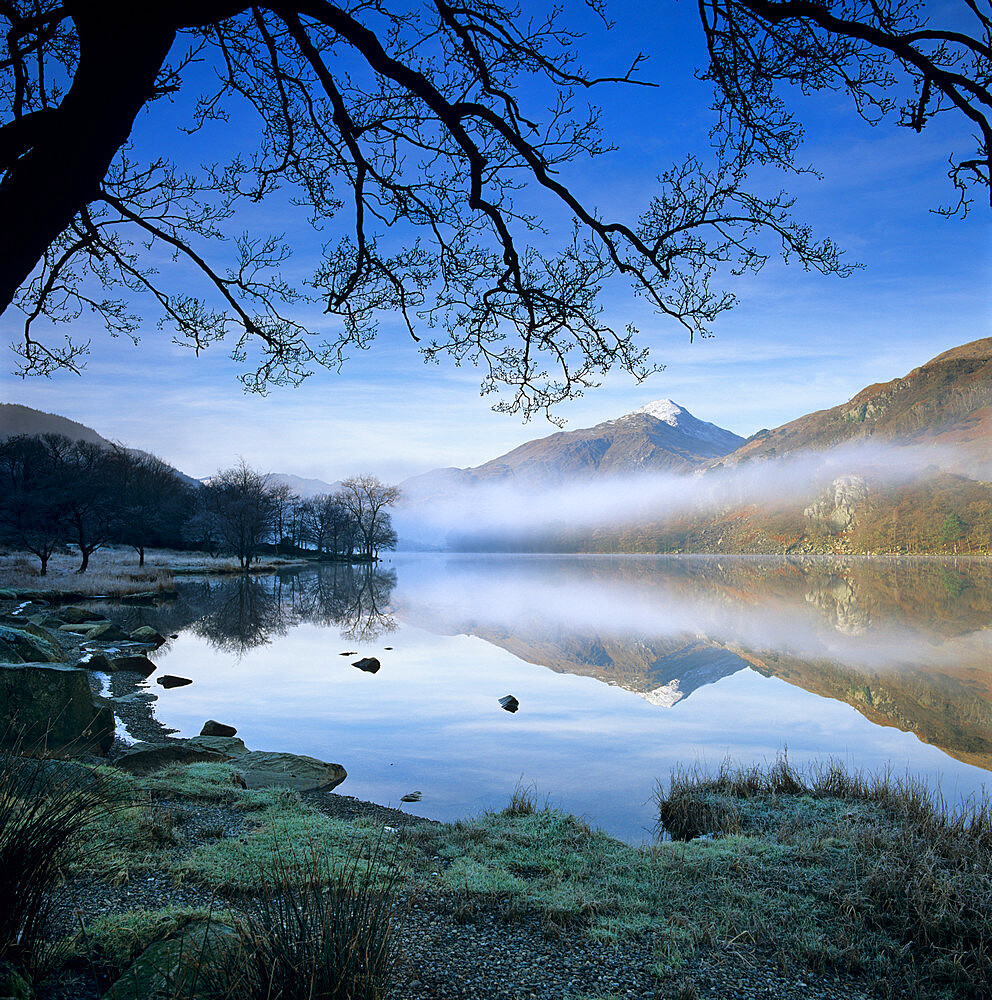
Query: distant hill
(304, 488)
(18, 419)
(661, 436)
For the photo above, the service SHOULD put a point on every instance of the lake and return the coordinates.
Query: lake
(623, 666)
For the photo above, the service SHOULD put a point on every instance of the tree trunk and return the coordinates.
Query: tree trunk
(85, 552)
(120, 56)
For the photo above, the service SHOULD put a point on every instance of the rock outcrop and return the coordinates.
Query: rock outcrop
(50, 708)
(836, 510)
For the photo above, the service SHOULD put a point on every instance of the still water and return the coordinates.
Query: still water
(623, 667)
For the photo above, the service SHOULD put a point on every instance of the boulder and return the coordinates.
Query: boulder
(229, 746)
(136, 663)
(411, 797)
(369, 664)
(19, 646)
(147, 634)
(174, 966)
(509, 703)
(265, 769)
(74, 615)
(172, 681)
(106, 632)
(96, 662)
(51, 707)
(212, 728)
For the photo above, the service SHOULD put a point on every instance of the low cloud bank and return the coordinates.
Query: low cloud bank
(464, 509)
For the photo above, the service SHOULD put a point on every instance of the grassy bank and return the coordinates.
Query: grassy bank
(824, 874)
(114, 571)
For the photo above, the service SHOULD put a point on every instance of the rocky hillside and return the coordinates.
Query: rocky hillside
(947, 401)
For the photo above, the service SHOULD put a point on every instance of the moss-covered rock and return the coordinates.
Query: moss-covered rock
(50, 707)
(17, 645)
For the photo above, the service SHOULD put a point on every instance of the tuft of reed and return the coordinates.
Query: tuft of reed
(902, 867)
(46, 809)
(314, 931)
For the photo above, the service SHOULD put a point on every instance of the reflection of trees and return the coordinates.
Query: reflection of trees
(238, 615)
(354, 599)
(242, 614)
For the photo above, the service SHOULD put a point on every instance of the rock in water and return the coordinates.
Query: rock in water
(212, 728)
(172, 681)
(368, 663)
(509, 703)
(136, 664)
(51, 708)
(411, 797)
(147, 634)
(106, 632)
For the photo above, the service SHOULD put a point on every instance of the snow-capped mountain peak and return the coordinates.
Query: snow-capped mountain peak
(669, 412)
(663, 409)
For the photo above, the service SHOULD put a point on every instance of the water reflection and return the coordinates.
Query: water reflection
(906, 643)
(622, 667)
(240, 614)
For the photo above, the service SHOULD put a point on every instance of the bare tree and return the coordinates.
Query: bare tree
(32, 502)
(244, 508)
(412, 120)
(367, 499)
(886, 54)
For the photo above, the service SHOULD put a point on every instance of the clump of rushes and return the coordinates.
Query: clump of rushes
(45, 809)
(902, 869)
(315, 931)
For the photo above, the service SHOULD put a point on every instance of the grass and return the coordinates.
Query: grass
(45, 814)
(307, 935)
(825, 871)
(114, 570)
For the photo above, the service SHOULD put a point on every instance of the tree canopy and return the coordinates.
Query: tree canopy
(418, 121)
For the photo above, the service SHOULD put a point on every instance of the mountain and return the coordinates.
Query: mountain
(18, 419)
(660, 436)
(947, 401)
(304, 488)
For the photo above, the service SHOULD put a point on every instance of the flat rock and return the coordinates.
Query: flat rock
(369, 664)
(75, 615)
(50, 707)
(106, 632)
(265, 769)
(20, 646)
(229, 746)
(213, 728)
(136, 663)
(145, 757)
(96, 662)
(509, 703)
(411, 797)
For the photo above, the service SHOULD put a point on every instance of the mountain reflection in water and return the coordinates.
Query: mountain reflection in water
(704, 643)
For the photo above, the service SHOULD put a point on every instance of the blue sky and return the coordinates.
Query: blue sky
(796, 342)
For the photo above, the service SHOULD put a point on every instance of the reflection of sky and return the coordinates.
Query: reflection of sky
(430, 720)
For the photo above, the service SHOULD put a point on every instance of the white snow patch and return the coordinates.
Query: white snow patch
(669, 412)
(665, 696)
